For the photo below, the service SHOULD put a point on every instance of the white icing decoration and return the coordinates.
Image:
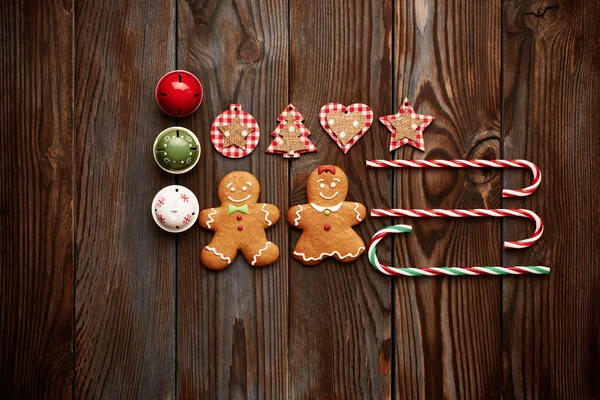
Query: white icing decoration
(328, 198)
(259, 253)
(356, 211)
(298, 214)
(329, 255)
(321, 208)
(210, 217)
(266, 214)
(216, 253)
(240, 200)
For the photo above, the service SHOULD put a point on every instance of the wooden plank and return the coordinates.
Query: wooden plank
(448, 329)
(340, 326)
(36, 184)
(550, 324)
(232, 325)
(125, 329)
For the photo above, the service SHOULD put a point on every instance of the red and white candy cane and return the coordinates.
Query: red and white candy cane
(537, 175)
(443, 271)
(478, 212)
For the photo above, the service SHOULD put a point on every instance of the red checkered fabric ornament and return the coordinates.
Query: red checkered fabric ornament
(344, 124)
(291, 136)
(235, 133)
(407, 127)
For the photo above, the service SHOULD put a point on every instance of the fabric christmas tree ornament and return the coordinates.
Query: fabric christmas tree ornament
(291, 136)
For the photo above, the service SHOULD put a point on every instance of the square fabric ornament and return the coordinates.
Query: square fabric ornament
(407, 127)
(291, 136)
(344, 124)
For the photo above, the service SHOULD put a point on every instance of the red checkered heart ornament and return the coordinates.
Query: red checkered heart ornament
(235, 133)
(344, 124)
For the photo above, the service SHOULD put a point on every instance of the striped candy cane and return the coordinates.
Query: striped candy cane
(446, 271)
(537, 175)
(478, 212)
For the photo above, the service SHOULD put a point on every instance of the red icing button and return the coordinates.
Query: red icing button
(239, 218)
(327, 227)
(240, 227)
(179, 93)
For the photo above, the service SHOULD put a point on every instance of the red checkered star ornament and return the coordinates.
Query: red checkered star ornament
(407, 127)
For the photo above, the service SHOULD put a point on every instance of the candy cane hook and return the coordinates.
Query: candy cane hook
(446, 271)
(537, 175)
(478, 212)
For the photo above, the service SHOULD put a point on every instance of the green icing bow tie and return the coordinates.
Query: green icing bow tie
(243, 209)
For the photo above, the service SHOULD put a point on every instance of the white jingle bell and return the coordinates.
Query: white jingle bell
(175, 208)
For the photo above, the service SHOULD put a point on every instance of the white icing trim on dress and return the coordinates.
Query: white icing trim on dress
(266, 214)
(219, 254)
(211, 220)
(239, 201)
(328, 198)
(356, 211)
(329, 255)
(321, 208)
(259, 253)
(298, 214)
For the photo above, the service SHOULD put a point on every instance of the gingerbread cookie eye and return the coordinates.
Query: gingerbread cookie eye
(244, 188)
(232, 189)
(322, 186)
(332, 184)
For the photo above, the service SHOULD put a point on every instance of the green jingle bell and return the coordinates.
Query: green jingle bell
(177, 150)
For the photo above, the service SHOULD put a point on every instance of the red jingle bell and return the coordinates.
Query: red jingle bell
(179, 93)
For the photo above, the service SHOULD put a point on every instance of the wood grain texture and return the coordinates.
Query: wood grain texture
(36, 231)
(233, 325)
(97, 302)
(448, 331)
(340, 324)
(550, 324)
(125, 298)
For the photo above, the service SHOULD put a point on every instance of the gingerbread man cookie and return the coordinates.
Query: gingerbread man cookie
(239, 224)
(327, 219)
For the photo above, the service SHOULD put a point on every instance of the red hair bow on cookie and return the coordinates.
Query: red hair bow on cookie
(327, 168)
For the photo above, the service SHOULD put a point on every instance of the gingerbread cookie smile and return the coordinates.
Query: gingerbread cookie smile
(332, 185)
(239, 224)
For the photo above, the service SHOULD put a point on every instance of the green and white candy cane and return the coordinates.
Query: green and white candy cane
(443, 271)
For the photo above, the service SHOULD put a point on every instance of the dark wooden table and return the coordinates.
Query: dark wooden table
(97, 302)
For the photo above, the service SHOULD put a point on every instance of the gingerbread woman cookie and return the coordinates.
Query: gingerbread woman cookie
(239, 224)
(327, 219)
